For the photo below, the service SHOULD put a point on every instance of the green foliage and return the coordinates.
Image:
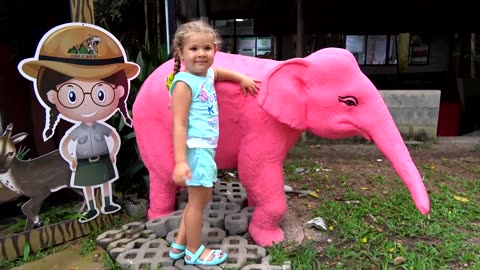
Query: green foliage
(107, 12)
(278, 254)
(301, 258)
(133, 176)
(26, 251)
(149, 57)
(22, 152)
(89, 243)
(51, 215)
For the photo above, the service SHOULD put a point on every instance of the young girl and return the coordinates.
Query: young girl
(195, 132)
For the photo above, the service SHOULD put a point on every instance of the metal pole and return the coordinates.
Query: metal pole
(167, 26)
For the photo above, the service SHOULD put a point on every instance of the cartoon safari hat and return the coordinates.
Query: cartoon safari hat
(79, 50)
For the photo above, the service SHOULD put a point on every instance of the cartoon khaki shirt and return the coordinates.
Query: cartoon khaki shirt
(81, 75)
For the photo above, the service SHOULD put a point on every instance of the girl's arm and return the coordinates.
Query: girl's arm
(247, 83)
(181, 99)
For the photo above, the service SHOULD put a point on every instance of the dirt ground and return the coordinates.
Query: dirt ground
(332, 169)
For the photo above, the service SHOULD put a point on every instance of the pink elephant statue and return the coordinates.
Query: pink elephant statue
(324, 93)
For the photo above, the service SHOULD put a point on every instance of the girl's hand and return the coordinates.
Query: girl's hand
(181, 173)
(250, 85)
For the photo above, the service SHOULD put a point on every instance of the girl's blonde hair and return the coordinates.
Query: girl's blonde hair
(184, 30)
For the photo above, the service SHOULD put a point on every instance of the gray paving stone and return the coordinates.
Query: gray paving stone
(210, 235)
(151, 255)
(240, 252)
(118, 246)
(161, 226)
(110, 236)
(237, 223)
(234, 192)
(135, 244)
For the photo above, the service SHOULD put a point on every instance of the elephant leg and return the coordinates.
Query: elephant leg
(264, 187)
(162, 194)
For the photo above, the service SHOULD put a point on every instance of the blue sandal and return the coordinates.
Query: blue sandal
(177, 256)
(216, 253)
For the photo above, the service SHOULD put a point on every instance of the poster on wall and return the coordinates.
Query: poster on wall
(81, 74)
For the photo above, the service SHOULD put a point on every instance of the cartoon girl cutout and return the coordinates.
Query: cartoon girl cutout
(81, 75)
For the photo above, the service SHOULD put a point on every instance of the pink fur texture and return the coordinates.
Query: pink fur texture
(324, 93)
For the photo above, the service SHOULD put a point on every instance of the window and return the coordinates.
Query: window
(373, 49)
(419, 50)
(238, 37)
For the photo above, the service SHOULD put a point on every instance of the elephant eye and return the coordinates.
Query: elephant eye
(349, 100)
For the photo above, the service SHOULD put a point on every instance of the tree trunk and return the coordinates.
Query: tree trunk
(473, 56)
(147, 26)
(403, 44)
(82, 11)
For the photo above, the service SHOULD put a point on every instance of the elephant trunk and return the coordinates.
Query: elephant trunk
(386, 136)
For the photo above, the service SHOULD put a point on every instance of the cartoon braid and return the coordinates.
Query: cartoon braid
(52, 123)
(125, 114)
(49, 79)
(120, 79)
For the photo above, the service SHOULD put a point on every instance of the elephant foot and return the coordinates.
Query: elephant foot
(264, 237)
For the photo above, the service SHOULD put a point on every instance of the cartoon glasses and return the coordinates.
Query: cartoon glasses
(71, 95)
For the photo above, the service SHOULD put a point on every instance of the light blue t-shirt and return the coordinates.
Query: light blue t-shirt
(202, 130)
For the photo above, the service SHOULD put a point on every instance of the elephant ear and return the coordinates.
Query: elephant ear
(282, 93)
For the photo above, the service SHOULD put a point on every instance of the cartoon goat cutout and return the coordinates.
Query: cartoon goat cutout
(324, 93)
(35, 178)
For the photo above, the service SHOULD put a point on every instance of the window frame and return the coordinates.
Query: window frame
(236, 37)
(388, 47)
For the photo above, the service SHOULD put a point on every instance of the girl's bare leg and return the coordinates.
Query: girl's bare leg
(181, 237)
(198, 198)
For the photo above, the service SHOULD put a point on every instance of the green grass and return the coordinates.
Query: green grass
(385, 231)
(108, 263)
(434, 241)
(300, 258)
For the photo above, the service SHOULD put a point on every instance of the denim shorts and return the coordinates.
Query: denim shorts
(203, 166)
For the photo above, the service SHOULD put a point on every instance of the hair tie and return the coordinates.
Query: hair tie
(169, 80)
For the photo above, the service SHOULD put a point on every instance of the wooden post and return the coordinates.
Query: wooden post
(82, 11)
